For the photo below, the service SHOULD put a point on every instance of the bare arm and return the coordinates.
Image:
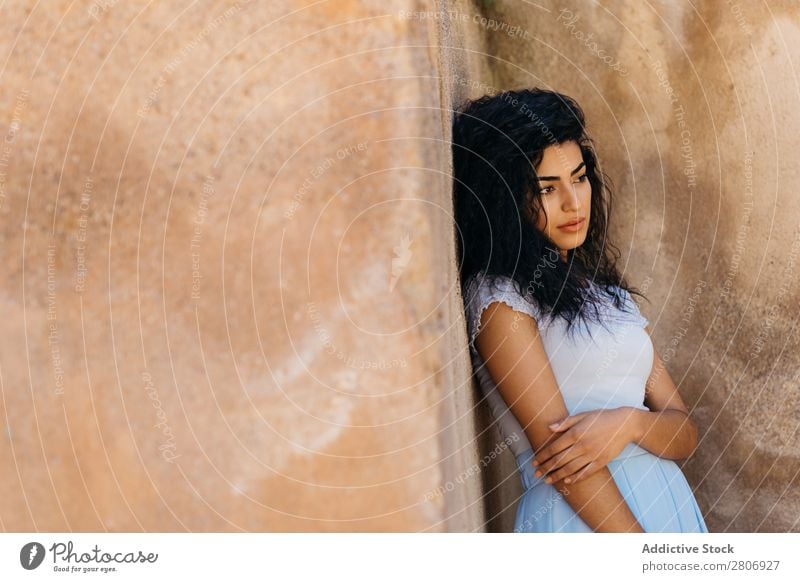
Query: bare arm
(666, 429)
(515, 357)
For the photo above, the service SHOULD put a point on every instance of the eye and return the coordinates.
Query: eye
(547, 190)
(583, 178)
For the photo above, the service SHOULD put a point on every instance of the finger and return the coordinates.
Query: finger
(551, 449)
(545, 461)
(565, 423)
(556, 462)
(587, 471)
(568, 470)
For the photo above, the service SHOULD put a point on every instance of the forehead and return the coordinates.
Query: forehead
(560, 159)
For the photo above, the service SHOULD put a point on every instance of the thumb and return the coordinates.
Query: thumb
(566, 423)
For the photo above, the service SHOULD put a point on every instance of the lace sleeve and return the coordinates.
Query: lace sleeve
(483, 291)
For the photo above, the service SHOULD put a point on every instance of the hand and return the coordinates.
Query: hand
(590, 440)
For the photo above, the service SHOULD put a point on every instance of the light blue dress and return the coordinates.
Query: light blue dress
(607, 370)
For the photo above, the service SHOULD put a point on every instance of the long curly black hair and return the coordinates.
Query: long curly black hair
(497, 142)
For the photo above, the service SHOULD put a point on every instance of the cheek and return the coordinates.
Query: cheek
(586, 195)
(541, 217)
(554, 213)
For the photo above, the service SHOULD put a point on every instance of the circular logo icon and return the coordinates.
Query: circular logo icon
(31, 555)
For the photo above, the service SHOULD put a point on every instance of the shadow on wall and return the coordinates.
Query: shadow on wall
(502, 488)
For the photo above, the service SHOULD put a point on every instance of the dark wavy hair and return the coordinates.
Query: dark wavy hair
(498, 141)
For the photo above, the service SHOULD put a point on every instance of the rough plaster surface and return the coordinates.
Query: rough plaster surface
(224, 227)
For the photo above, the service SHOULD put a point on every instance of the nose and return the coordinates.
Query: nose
(572, 202)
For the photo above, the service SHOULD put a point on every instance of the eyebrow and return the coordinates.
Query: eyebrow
(575, 171)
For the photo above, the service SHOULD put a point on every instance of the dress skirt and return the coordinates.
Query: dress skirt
(655, 489)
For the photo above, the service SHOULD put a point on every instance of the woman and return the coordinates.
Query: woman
(559, 346)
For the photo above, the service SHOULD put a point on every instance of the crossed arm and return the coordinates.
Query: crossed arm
(593, 438)
(518, 364)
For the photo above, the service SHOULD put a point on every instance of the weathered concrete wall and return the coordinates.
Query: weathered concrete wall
(693, 107)
(224, 231)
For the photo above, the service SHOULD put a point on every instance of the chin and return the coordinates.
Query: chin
(571, 245)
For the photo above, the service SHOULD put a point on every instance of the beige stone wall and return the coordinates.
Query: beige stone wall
(694, 110)
(224, 232)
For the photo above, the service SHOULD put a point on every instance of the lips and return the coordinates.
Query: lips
(572, 223)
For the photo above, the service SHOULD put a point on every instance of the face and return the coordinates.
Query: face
(566, 196)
